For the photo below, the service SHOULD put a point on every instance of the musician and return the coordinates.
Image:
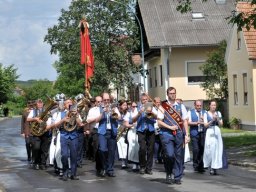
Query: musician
(158, 144)
(197, 135)
(107, 132)
(172, 120)
(55, 148)
(213, 151)
(93, 113)
(81, 132)
(40, 144)
(25, 131)
(146, 135)
(68, 139)
(132, 137)
(121, 143)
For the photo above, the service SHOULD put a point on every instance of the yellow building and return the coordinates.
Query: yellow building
(241, 62)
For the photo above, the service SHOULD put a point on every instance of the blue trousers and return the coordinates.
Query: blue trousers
(107, 149)
(168, 144)
(80, 148)
(179, 155)
(69, 149)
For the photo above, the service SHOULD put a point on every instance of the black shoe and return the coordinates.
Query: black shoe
(201, 170)
(74, 177)
(101, 173)
(177, 182)
(111, 174)
(142, 171)
(64, 177)
(169, 179)
(79, 166)
(29, 159)
(149, 172)
(36, 167)
(213, 172)
(43, 167)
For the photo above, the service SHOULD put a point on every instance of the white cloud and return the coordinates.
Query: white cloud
(24, 24)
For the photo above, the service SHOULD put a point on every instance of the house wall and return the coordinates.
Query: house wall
(178, 71)
(178, 58)
(238, 63)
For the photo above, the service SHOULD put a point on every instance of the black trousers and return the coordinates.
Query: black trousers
(28, 141)
(40, 149)
(146, 152)
(198, 150)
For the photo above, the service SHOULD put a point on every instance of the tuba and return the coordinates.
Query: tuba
(72, 123)
(121, 129)
(38, 129)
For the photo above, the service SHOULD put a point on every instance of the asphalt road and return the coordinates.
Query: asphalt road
(17, 176)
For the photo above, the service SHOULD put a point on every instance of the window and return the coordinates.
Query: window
(195, 75)
(161, 75)
(235, 89)
(155, 74)
(238, 39)
(245, 88)
(150, 78)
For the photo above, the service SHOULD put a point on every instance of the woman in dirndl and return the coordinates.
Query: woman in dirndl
(213, 150)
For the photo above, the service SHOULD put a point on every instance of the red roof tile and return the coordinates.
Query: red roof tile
(249, 36)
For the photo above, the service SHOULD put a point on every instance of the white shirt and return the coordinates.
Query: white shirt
(92, 114)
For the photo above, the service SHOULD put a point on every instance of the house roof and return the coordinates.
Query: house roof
(249, 36)
(167, 27)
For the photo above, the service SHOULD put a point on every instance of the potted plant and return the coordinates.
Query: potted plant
(234, 123)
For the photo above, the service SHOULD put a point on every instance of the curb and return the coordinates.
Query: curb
(241, 164)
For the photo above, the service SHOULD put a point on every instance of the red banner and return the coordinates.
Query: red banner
(86, 49)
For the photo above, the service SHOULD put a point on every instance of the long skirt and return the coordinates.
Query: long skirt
(213, 148)
(133, 146)
(122, 147)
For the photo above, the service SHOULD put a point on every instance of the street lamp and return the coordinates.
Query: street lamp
(141, 41)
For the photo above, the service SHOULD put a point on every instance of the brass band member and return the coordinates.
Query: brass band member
(172, 120)
(107, 132)
(146, 135)
(25, 131)
(68, 138)
(40, 144)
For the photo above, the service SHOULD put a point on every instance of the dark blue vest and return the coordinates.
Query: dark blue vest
(67, 134)
(194, 118)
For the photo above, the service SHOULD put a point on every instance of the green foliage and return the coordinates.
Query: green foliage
(234, 121)
(16, 105)
(40, 89)
(241, 140)
(113, 34)
(215, 72)
(7, 82)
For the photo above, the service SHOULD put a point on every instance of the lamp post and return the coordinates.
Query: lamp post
(141, 41)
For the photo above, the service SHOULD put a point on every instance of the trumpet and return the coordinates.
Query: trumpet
(111, 109)
(148, 110)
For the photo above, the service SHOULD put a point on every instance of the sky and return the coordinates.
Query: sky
(23, 26)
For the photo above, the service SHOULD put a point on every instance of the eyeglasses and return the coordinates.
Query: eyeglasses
(106, 99)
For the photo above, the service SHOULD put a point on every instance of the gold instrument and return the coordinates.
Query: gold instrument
(71, 124)
(121, 129)
(38, 129)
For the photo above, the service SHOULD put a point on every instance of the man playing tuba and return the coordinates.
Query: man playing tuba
(68, 137)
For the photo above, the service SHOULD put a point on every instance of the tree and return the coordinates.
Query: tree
(241, 19)
(8, 75)
(113, 34)
(215, 72)
(40, 89)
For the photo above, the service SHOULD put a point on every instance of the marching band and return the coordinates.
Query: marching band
(60, 132)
